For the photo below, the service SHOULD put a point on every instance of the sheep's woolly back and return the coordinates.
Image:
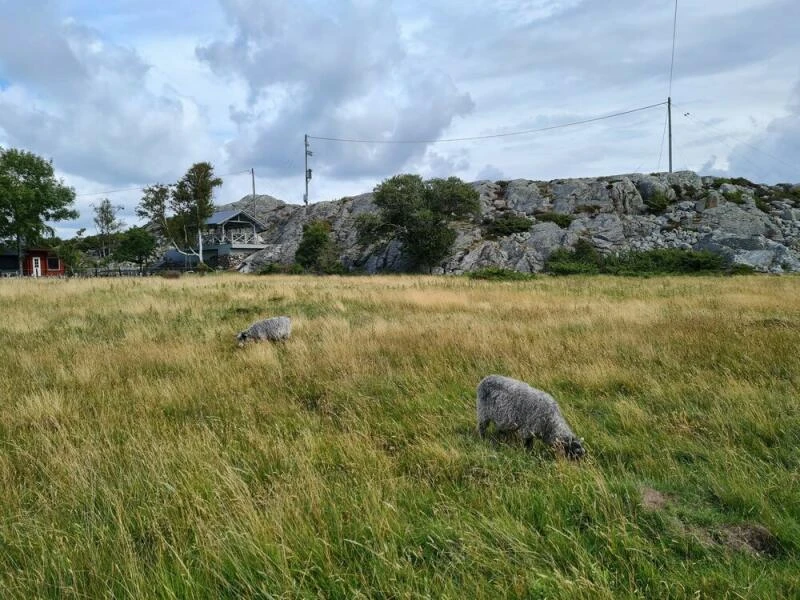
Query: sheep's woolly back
(274, 329)
(513, 405)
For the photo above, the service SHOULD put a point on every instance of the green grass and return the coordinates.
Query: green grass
(143, 455)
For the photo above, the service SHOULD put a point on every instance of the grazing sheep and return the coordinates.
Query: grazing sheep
(515, 406)
(274, 329)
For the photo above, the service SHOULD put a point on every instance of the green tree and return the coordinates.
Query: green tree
(317, 251)
(105, 219)
(179, 214)
(418, 214)
(136, 245)
(30, 196)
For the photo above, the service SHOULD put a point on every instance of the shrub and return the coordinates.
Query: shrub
(740, 269)
(417, 213)
(741, 181)
(585, 259)
(499, 274)
(317, 251)
(506, 224)
(762, 204)
(170, 274)
(735, 197)
(559, 219)
(657, 202)
(664, 261)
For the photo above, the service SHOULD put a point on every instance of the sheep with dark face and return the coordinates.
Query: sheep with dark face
(514, 406)
(273, 330)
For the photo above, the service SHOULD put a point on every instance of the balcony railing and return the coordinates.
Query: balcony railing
(238, 238)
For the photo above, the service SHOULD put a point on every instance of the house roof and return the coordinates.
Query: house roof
(223, 216)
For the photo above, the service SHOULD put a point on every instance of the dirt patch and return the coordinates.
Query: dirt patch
(653, 499)
(751, 538)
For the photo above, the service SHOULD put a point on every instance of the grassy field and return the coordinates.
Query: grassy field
(143, 455)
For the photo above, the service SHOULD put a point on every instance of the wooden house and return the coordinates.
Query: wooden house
(36, 262)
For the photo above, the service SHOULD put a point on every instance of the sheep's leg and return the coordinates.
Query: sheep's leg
(528, 441)
(482, 425)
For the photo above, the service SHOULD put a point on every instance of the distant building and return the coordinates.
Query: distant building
(36, 262)
(230, 237)
(234, 228)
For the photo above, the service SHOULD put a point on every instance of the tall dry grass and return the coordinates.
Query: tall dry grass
(143, 455)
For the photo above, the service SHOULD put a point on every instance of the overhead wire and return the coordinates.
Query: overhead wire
(488, 136)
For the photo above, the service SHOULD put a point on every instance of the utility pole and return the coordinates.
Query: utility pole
(308, 171)
(669, 118)
(253, 176)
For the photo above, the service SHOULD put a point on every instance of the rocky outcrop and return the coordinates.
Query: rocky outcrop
(749, 224)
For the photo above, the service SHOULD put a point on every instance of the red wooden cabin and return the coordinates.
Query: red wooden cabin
(36, 262)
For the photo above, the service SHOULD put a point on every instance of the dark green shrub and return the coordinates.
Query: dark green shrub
(762, 204)
(657, 202)
(740, 269)
(583, 259)
(735, 197)
(499, 274)
(559, 219)
(418, 213)
(317, 252)
(281, 269)
(506, 224)
(741, 181)
(664, 261)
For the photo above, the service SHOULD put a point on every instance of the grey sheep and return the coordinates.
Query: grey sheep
(515, 406)
(274, 329)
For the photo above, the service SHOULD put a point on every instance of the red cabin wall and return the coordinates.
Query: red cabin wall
(27, 268)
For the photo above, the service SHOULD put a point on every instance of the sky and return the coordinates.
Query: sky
(120, 94)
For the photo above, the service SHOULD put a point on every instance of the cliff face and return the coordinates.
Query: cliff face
(750, 224)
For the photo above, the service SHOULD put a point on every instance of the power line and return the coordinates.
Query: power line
(133, 189)
(674, 36)
(661, 147)
(491, 136)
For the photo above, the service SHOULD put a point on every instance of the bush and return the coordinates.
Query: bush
(499, 274)
(170, 274)
(664, 261)
(584, 259)
(317, 252)
(740, 269)
(281, 269)
(559, 219)
(506, 224)
(741, 181)
(735, 197)
(417, 213)
(762, 204)
(657, 202)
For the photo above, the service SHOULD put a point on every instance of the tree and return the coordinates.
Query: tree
(105, 219)
(136, 245)
(180, 213)
(418, 213)
(317, 251)
(30, 196)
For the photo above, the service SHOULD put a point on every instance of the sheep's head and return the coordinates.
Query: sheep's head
(572, 448)
(241, 338)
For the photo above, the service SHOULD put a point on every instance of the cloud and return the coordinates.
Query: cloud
(340, 72)
(84, 101)
(491, 173)
(769, 156)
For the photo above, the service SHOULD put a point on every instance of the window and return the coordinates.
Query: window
(53, 264)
